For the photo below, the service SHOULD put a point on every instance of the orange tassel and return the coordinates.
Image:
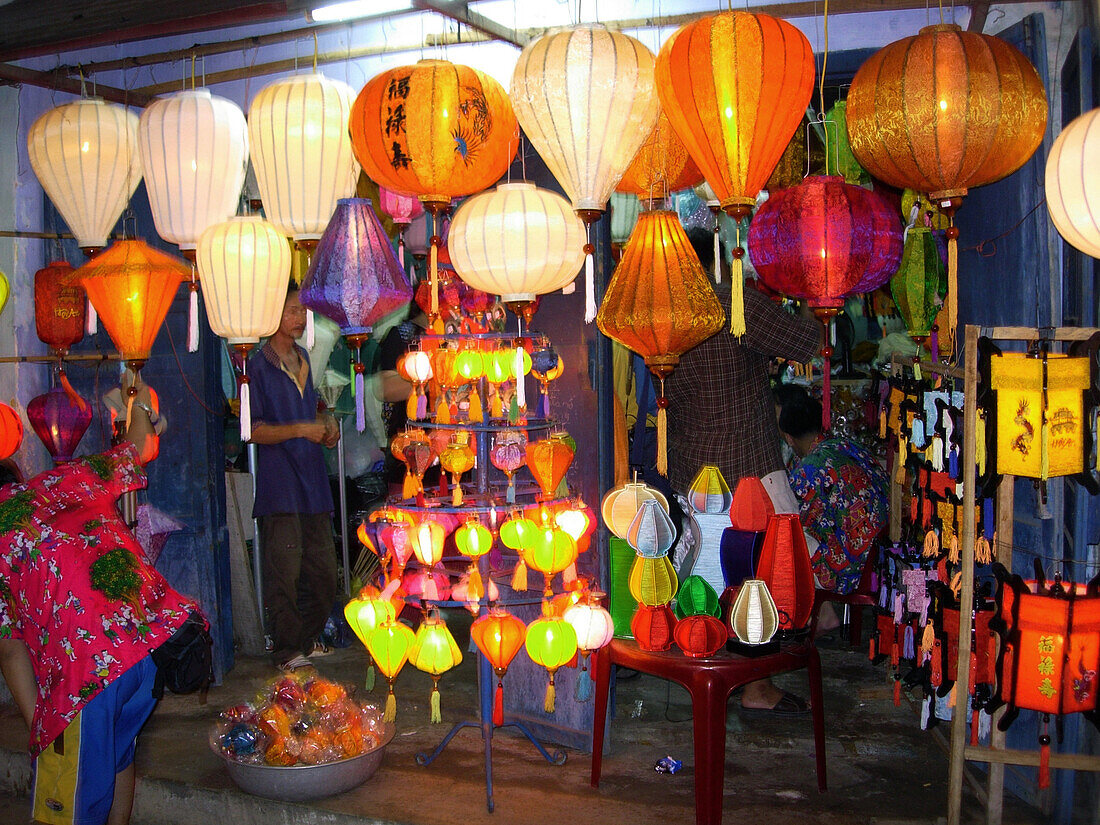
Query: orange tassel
(953, 552)
(519, 576)
(931, 544)
(928, 639)
(975, 715)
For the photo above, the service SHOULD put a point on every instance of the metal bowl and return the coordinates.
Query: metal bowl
(297, 783)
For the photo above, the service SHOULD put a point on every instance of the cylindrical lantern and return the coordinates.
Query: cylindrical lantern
(1074, 202)
(653, 626)
(85, 155)
(517, 241)
(194, 153)
(754, 618)
(60, 418)
(709, 492)
(299, 145)
(434, 651)
(700, 635)
(498, 635)
(59, 306)
(11, 431)
(621, 504)
(551, 643)
(661, 166)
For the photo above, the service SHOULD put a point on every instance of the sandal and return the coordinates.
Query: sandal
(788, 705)
(295, 663)
(319, 649)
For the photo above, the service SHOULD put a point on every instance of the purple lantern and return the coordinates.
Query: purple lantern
(355, 279)
(60, 417)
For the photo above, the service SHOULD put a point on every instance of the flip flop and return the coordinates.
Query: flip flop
(788, 705)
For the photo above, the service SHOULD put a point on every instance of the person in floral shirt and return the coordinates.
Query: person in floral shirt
(80, 612)
(843, 492)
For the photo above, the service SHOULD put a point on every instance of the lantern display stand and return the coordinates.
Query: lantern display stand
(995, 753)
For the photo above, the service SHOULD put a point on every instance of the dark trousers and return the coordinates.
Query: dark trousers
(299, 567)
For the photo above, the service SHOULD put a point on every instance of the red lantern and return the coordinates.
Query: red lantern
(700, 635)
(60, 418)
(785, 567)
(498, 635)
(11, 431)
(752, 506)
(59, 306)
(653, 626)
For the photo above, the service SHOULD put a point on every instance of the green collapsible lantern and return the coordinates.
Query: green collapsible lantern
(838, 152)
(920, 284)
(696, 598)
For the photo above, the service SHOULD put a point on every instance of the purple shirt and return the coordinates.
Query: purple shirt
(290, 476)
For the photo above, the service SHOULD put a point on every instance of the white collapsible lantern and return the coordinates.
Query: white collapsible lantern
(754, 618)
(85, 156)
(301, 151)
(1073, 183)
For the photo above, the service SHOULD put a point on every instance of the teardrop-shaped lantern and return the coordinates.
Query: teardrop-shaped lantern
(1074, 203)
(427, 540)
(548, 460)
(785, 567)
(434, 651)
(364, 614)
(751, 506)
(299, 145)
(754, 618)
(59, 306)
(60, 418)
(194, 153)
(550, 642)
(651, 533)
(498, 635)
(652, 581)
(920, 284)
(621, 504)
(85, 155)
(709, 492)
(389, 646)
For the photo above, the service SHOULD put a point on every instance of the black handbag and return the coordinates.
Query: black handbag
(185, 662)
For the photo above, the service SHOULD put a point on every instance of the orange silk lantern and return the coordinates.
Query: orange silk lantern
(389, 646)
(653, 626)
(548, 460)
(427, 542)
(941, 112)
(659, 304)
(498, 635)
(11, 431)
(661, 166)
(551, 643)
(735, 86)
(784, 567)
(434, 651)
(752, 506)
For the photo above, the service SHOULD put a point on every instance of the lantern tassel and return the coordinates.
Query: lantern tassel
(360, 404)
(475, 587)
(411, 406)
(74, 396)
(390, 713)
(369, 683)
(717, 253)
(475, 413)
(589, 289)
(193, 315)
(410, 488)
(521, 384)
(510, 491)
(498, 704)
(952, 282)
(584, 686)
(401, 249)
(826, 391)
(519, 576)
(953, 549)
(737, 289)
(434, 275)
(311, 330)
(246, 410)
(549, 704)
(928, 638)
(436, 716)
(442, 411)
(456, 499)
(92, 319)
(1044, 755)
(662, 431)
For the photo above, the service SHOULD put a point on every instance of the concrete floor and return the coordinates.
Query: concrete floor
(881, 767)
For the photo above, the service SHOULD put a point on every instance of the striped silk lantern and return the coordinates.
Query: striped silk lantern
(1072, 201)
(389, 646)
(785, 567)
(735, 86)
(550, 551)
(85, 155)
(434, 651)
(549, 460)
(625, 209)
(550, 642)
(920, 284)
(498, 635)
(652, 577)
(473, 540)
(622, 503)
(696, 597)
(651, 532)
(661, 166)
(652, 580)
(653, 626)
(944, 111)
(659, 304)
(709, 492)
(754, 618)
(700, 636)
(751, 506)
(365, 613)
(594, 628)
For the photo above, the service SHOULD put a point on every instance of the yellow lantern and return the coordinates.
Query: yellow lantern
(474, 540)
(1040, 416)
(389, 646)
(551, 551)
(621, 504)
(85, 155)
(551, 643)
(709, 492)
(427, 540)
(1073, 167)
(365, 613)
(434, 651)
(653, 581)
(457, 458)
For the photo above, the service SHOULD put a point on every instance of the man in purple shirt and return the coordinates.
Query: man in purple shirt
(293, 498)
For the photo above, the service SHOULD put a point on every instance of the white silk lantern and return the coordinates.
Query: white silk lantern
(1073, 183)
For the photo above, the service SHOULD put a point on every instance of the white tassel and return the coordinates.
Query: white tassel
(360, 404)
(246, 413)
(521, 384)
(590, 289)
(310, 330)
(401, 249)
(93, 320)
(569, 288)
(193, 320)
(717, 254)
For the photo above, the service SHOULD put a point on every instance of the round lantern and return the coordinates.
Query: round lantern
(458, 457)
(427, 540)
(943, 111)
(60, 418)
(11, 431)
(517, 241)
(85, 155)
(298, 142)
(751, 506)
(696, 597)
(434, 651)
(1073, 202)
(59, 306)
(653, 626)
(389, 646)
(509, 449)
(473, 540)
(659, 304)
(661, 166)
(594, 628)
(550, 551)
(709, 492)
(735, 86)
(498, 635)
(621, 504)
(551, 643)
(700, 636)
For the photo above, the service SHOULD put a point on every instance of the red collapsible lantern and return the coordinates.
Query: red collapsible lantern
(59, 306)
(700, 635)
(752, 506)
(653, 626)
(785, 567)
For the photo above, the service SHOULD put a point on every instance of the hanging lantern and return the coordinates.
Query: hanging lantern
(355, 279)
(417, 367)
(576, 520)
(550, 643)
(508, 453)
(700, 636)
(621, 505)
(751, 506)
(1073, 203)
(661, 166)
(709, 492)
(944, 111)
(785, 567)
(11, 431)
(457, 458)
(625, 208)
(5, 291)
(653, 626)
(473, 540)
(659, 304)
(244, 267)
(402, 209)
(434, 651)
(517, 241)
(822, 240)
(754, 618)
(60, 418)
(651, 532)
(548, 460)
(550, 551)
(498, 635)
(365, 614)
(1040, 415)
(299, 145)
(85, 155)
(841, 159)
(546, 366)
(437, 130)
(59, 306)
(594, 628)
(792, 166)
(517, 534)
(919, 286)
(426, 540)
(696, 598)
(389, 646)
(716, 77)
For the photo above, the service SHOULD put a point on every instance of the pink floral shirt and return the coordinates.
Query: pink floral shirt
(83, 626)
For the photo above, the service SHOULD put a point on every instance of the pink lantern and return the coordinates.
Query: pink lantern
(401, 209)
(60, 418)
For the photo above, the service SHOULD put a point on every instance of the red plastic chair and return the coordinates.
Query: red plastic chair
(864, 594)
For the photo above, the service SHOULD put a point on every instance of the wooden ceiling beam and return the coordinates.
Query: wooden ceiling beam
(12, 75)
(460, 12)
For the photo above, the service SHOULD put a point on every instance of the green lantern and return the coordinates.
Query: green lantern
(696, 598)
(921, 282)
(839, 157)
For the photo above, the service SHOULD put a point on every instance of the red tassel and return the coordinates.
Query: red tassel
(975, 715)
(897, 690)
(1044, 754)
(872, 647)
(498, 704)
